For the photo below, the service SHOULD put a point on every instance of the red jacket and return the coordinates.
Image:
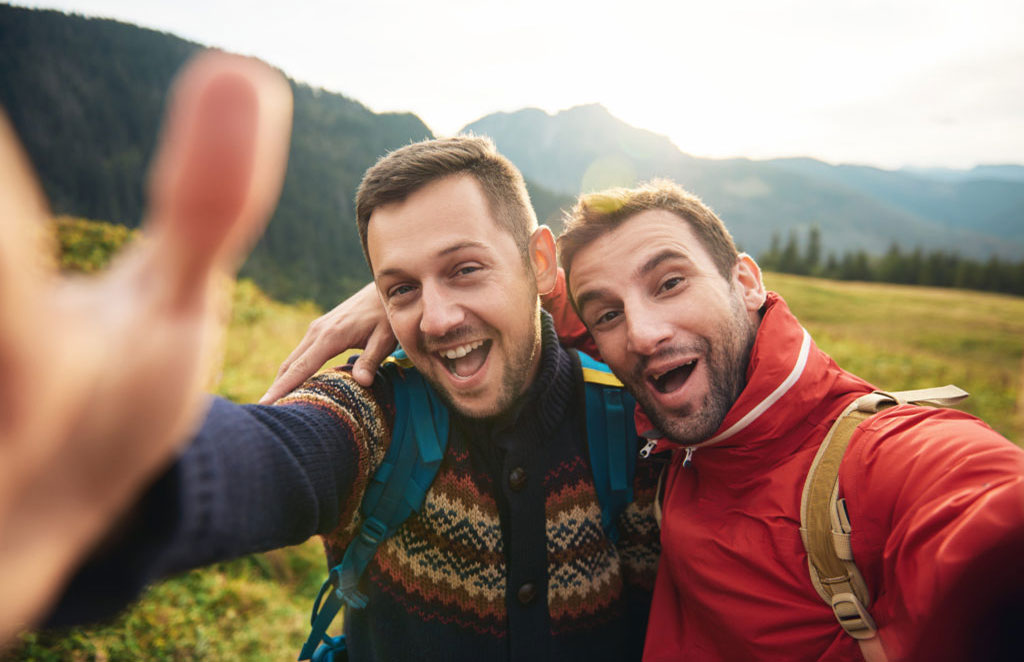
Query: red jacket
(928, 491)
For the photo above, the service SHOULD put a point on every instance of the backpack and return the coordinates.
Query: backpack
(825, 527)
(418, 442)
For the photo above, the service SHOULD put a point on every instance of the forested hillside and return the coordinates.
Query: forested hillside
(86, 97)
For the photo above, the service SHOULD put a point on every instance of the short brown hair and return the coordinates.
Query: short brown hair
(402, 172)
(596, 214)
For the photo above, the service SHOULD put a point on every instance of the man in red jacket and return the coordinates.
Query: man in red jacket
(738, 393)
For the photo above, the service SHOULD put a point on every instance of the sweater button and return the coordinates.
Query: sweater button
(527, 593)
(517, 479)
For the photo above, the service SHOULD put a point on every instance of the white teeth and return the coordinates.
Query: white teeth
(461, 350)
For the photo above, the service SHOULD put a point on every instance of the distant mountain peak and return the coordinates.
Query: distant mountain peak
(591, 109)
(530, 112)
(592, 115)
(580, 147)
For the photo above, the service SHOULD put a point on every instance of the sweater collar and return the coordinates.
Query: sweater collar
(539, 410)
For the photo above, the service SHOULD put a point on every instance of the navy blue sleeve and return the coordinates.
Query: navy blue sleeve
(254, 478)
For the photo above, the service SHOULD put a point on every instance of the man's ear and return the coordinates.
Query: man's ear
(542, 259)
(747, 279)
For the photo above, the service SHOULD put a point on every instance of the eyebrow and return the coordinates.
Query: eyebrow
(448, 250)
(455, 248)
(662, 256)
(590, 295)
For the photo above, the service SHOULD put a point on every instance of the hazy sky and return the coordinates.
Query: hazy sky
(883, 82)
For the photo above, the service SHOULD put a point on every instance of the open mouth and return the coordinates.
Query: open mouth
(465, 360)
(673, 379)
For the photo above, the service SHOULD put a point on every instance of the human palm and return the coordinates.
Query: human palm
(102, 379)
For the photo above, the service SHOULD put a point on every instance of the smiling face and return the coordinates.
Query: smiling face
(460, 299)
(667, 322)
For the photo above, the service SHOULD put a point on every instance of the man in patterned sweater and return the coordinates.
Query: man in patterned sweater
(507, 559)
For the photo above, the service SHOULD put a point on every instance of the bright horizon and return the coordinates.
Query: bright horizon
(889, 84)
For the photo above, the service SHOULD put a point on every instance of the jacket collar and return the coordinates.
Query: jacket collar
(788, 377)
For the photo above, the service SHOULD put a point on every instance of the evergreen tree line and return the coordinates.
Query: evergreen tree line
(938, 268)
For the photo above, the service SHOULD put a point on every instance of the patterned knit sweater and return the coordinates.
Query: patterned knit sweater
(507, 559)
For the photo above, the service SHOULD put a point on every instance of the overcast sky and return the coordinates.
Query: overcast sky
(882, 82)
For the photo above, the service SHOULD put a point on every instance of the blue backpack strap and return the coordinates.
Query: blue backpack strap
(611, 440)
(396, 490)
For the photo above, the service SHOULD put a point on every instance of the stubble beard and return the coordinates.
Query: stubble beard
(520, 357)
(726, 363)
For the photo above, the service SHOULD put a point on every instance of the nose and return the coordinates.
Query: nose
(441, 312)
(646, 328)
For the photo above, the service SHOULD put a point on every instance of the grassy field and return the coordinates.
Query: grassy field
(256, 608)
(901, 337)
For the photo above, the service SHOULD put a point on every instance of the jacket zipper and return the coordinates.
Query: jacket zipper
(651, 443)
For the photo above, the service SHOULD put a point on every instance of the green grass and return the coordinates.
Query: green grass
(261, 334)
(253, 609)
(257, 608)
(901, 337)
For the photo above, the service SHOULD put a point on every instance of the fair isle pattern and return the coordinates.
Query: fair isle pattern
(448, 562)
(584, 577)
(357, 409)
(587, 573)
(583, 566)
(639, 536)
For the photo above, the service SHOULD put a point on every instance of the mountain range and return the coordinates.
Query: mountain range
(85, 96)
(975, 213)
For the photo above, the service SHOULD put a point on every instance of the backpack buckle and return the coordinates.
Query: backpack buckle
(373, 531)
(852, 616)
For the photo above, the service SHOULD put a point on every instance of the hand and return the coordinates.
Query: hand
(357, 322)
(101, 380)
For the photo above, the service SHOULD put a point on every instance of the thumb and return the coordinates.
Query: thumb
(220, 165)
(381, 343)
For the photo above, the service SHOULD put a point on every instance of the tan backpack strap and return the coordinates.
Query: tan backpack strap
(824, 523)
(940, 396)
(825, 530)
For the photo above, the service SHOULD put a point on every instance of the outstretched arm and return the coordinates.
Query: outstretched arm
(935, 498)
(101, 380)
